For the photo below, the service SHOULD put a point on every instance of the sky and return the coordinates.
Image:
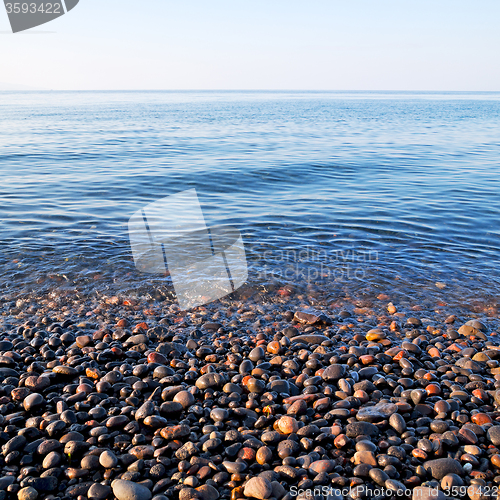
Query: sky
(259, 44)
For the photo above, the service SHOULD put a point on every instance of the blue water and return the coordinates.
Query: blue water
(347, 191)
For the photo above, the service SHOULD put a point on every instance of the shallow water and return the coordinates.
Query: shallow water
(354, 192)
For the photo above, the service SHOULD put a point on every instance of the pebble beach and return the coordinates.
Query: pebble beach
(269, 395)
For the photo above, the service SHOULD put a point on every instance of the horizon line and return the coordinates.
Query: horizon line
(244, 90)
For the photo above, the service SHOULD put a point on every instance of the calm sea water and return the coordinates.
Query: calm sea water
(357, 192)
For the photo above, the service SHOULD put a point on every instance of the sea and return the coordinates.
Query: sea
(349, 193)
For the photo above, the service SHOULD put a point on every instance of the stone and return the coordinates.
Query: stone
(234, 467)
(278, 490)
(280, 386)
(207, 492)
(375, 335)
(467, 436)
(469, 364)
(298, 407)
(78, 490)
(256, 385)
(6, 481)
(42, 484)
(209, 380)
(378, 476)
(75, 447)
(473, 328)
(380, 411)
(145, 410)
(264, 455)
(171, 408)
(494, 435)
(99, 491)
(175, 432)
(361, 429)
(108, 459)
(287, 472)
(256, 354)
(53, 459)
(118, 421)
(311, 318)
(83, 340)
(288, 425)
(397, 422)
(68, 371)
(365, 457)
(28, 493)
(185, 398)
(258, 487)
(14, 444)
(310, 339)
(219, 414)
(33, 401)
(212, 326)
(8, 372)
(187, 494)
(128, 490)
(138, 339)
(142, 451)
(441, 467)
(156, 357)
(451, 480)
(320, 466)
(333, 372)
(186, 451)
(397, 486)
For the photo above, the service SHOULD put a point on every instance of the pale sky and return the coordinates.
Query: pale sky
(260, 44)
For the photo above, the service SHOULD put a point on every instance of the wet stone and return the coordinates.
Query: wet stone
(33, 401)
(333, 372)
(234, 467)
(441, 467)
(42, 484)
(378, 476)
(311, 317)
(361, 429)
(98, 491)
(494, 435)
(310, 339)
(209, 380)
(128, 490)
(258, 487)
(27, 493)
(108, 459)
(397, 422)
(207, 492)
(321, 466)
(380, 411)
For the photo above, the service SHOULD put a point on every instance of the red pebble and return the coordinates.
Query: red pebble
(156, 357)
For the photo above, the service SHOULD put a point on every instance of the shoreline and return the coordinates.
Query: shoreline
(246, 396)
